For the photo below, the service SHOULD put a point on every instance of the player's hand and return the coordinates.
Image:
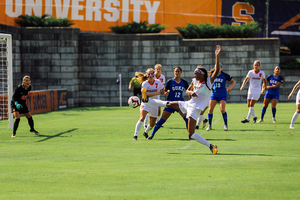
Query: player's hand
(218, 49)
(241, 88)
(290, 96)
(18, 105)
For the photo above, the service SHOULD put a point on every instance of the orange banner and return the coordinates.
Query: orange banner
(39, 102)
(99, 15)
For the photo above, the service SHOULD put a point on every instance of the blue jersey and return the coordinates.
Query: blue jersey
(176, 89)
(219, 87)
(273, 81)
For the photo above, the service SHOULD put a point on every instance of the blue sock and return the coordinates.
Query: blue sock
(186, 122)
(225, 118)
(210, 116)
(263, 112)
(158, 125)
(274, 112)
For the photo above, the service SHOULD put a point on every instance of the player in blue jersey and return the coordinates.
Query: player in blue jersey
(174, 87)
(275, 80)
(219, 94)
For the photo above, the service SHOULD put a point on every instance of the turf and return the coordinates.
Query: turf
(88, 153)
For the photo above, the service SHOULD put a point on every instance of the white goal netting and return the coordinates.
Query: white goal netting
(6, 83)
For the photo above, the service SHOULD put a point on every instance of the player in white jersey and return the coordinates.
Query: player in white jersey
(199, 92)
(152, 87)
(256, 76)
(160, 77)
(295, 116)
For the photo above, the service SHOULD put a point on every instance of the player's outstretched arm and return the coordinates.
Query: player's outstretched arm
(294, 89)
(217, 66)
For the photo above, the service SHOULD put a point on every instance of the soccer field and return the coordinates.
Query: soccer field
(88, 153)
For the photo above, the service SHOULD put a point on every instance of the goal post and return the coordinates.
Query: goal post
(6, 78)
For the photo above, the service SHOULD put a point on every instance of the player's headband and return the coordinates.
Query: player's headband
(199, 70)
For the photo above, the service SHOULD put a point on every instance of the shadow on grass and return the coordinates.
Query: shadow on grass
(233, 154)
(195, 140)
(48, 137)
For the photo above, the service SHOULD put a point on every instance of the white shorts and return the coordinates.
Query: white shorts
(151, 109)
(189, 110)
(253, 96)
(298, 98)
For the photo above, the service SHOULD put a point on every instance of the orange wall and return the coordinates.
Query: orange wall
(99, 15)
(39, 101)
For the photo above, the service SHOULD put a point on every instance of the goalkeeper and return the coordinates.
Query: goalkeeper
(18, 105)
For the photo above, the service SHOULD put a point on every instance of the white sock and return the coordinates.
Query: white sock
(295, 116)
(146, 120)
(157, 119)
(249, 113)
(148, 128)
(252, 111)
(138, 127)
(200, 139)
(200, 119)
(157, 102)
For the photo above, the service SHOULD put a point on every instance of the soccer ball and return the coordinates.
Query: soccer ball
(134, 101)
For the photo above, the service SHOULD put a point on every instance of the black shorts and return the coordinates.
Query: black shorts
(137, 91)
(21, 110)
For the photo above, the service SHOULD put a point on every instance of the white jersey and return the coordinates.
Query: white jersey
(202, 92)
(255, 81)
(153, 88)
(162, 78)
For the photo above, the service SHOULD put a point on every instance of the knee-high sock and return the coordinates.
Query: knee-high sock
(251, 112)
(186, 122)
(157, 126)
(148, 128)
(138, 127)
(16, 125)
(200, 119)
(295, 116)
(274, 112)
(225, 118)
(157, 119)
(210, 117)
(157, 102)
(263, 112)
(30, 122)
(200, 139)
(146, 120)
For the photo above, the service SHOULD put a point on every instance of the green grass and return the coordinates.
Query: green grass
(88, 153)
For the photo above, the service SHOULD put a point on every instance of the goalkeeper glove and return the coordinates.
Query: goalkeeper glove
(18, 105)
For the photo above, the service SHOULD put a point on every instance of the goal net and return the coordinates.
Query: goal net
(6, 80)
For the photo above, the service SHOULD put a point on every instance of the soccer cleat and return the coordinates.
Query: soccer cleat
(34, 131)
(292, 126)
(197, 127)
(204, 123)
(245, 121)
(225, 128)
(144, 95)
(213, 149)
(274, 120)
(254, 119)
(145, 134)
(208, 128)
(13, 135)
(150, 137)
(134, 138)
(260, 120)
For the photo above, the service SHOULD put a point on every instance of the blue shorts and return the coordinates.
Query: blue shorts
(171, 110)
(270, 96)
(218, 99)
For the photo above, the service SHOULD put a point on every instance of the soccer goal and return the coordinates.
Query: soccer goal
(6, 78)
